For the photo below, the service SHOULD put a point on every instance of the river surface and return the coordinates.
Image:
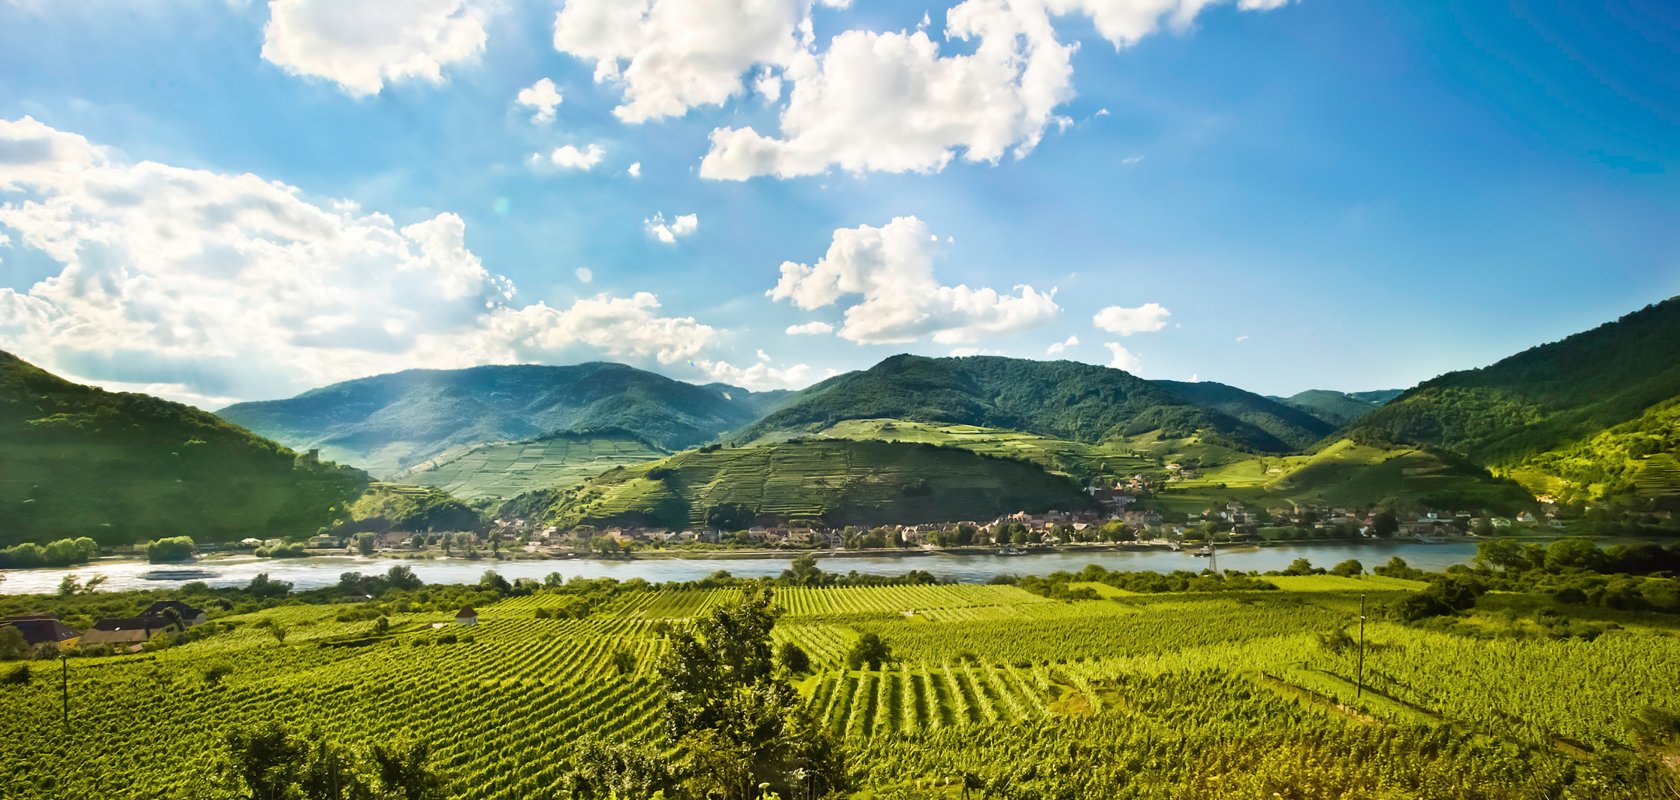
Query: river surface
(315, 572)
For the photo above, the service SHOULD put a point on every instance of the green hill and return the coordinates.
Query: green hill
(1290, 428)
(837, 481)
(507, 469)
(121, 467)
(1346, 473)
(1340, 409)
(1076, 459)
(1555, 397)
(389, 423)
(1061, 399)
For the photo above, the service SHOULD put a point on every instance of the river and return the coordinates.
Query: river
(318, 571)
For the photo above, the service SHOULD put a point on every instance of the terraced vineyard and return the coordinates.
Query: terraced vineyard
(1058, 455)
(843, 482)
(985, 680)
(506, 469)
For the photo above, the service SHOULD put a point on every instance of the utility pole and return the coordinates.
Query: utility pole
(1359, 691)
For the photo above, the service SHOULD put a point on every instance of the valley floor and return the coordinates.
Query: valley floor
(1223, 695)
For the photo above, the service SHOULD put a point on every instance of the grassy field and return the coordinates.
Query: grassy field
(1057, 455)
(507, 469)
(1344, 473)
(984, 680)
(840, 481)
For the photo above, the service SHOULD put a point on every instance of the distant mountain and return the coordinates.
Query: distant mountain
(1290, 428)
(1064, 399)
(834, 481)
(1340, 409)
(121, 467)
(1516, 413)
(388, 423)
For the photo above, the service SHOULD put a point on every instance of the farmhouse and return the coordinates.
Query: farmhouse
(189, 616)
(466, 616)
(40, 629)
(131, 631)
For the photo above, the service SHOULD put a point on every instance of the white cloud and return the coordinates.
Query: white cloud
(891, 268)
(1120, 357)
(810, 329)
(542, 98)
(570, 157)
(1131, 161)
(362, 44)
(1147, 318)
(584, 275)
(668, 56)
(1242, 338)
(216, 286)
(670, 232)
(894, 102)
(759, 376)
(635, 170)
(1057, 348)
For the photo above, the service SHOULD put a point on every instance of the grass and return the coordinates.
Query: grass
(1338, 583)
(507, 469)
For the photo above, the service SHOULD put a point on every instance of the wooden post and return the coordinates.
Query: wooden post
(1359, 692)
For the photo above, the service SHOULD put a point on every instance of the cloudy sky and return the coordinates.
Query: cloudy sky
(218, 200)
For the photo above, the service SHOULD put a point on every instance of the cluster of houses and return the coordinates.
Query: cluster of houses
(123, 633)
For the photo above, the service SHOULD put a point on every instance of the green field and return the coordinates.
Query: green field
(1057, 455)
(1344, 473)
(507, 469)
(1147, 696)
(838, 481)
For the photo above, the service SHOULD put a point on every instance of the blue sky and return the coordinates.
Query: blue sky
(1345, 195)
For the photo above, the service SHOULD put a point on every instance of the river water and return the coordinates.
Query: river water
(315, 572)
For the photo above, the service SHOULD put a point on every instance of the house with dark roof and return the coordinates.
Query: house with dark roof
(128, 632)
(189, 616)
(466, 616)
(40, 629)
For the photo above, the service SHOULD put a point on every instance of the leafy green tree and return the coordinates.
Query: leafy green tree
(365, 543)
(1574, 553)
(12, 644)
(264, 761)
(871, 651)
(1502, 554)
(804, 572)
(1385, 524)
(403, 578)
(793, 659)
(175, 548)
(265, 588)
(1350, 568)
(730, 517)
(402, 770)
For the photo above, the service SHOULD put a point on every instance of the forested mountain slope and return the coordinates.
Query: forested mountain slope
(388, 423)
(122, 467)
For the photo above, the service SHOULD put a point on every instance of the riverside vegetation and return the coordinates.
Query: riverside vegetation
(1538, 672)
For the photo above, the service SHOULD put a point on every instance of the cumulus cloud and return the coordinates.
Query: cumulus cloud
(810, 329)
(635, 170)
(670, 232)
(1120, 357)
(542, 98)
(218, 286)
(584, 275)
(668, 56)
(757, 377)
(1147, 318)
(570, 157)
(898, 102)
(1057, 348)
(891, 269)
(362, 44)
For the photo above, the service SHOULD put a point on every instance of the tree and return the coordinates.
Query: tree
(1574, 553)
(365, 543)
(177, 548)
(871, 650)
(1350, 568)
(793, 659)
(12, 644)
(730, 517)
(1385, 524)
(804, 572)
(262, 587)
(401, 577)
(493, 581)
(1502, 554)
(402, 770)
(738, 721)
(264, 761)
